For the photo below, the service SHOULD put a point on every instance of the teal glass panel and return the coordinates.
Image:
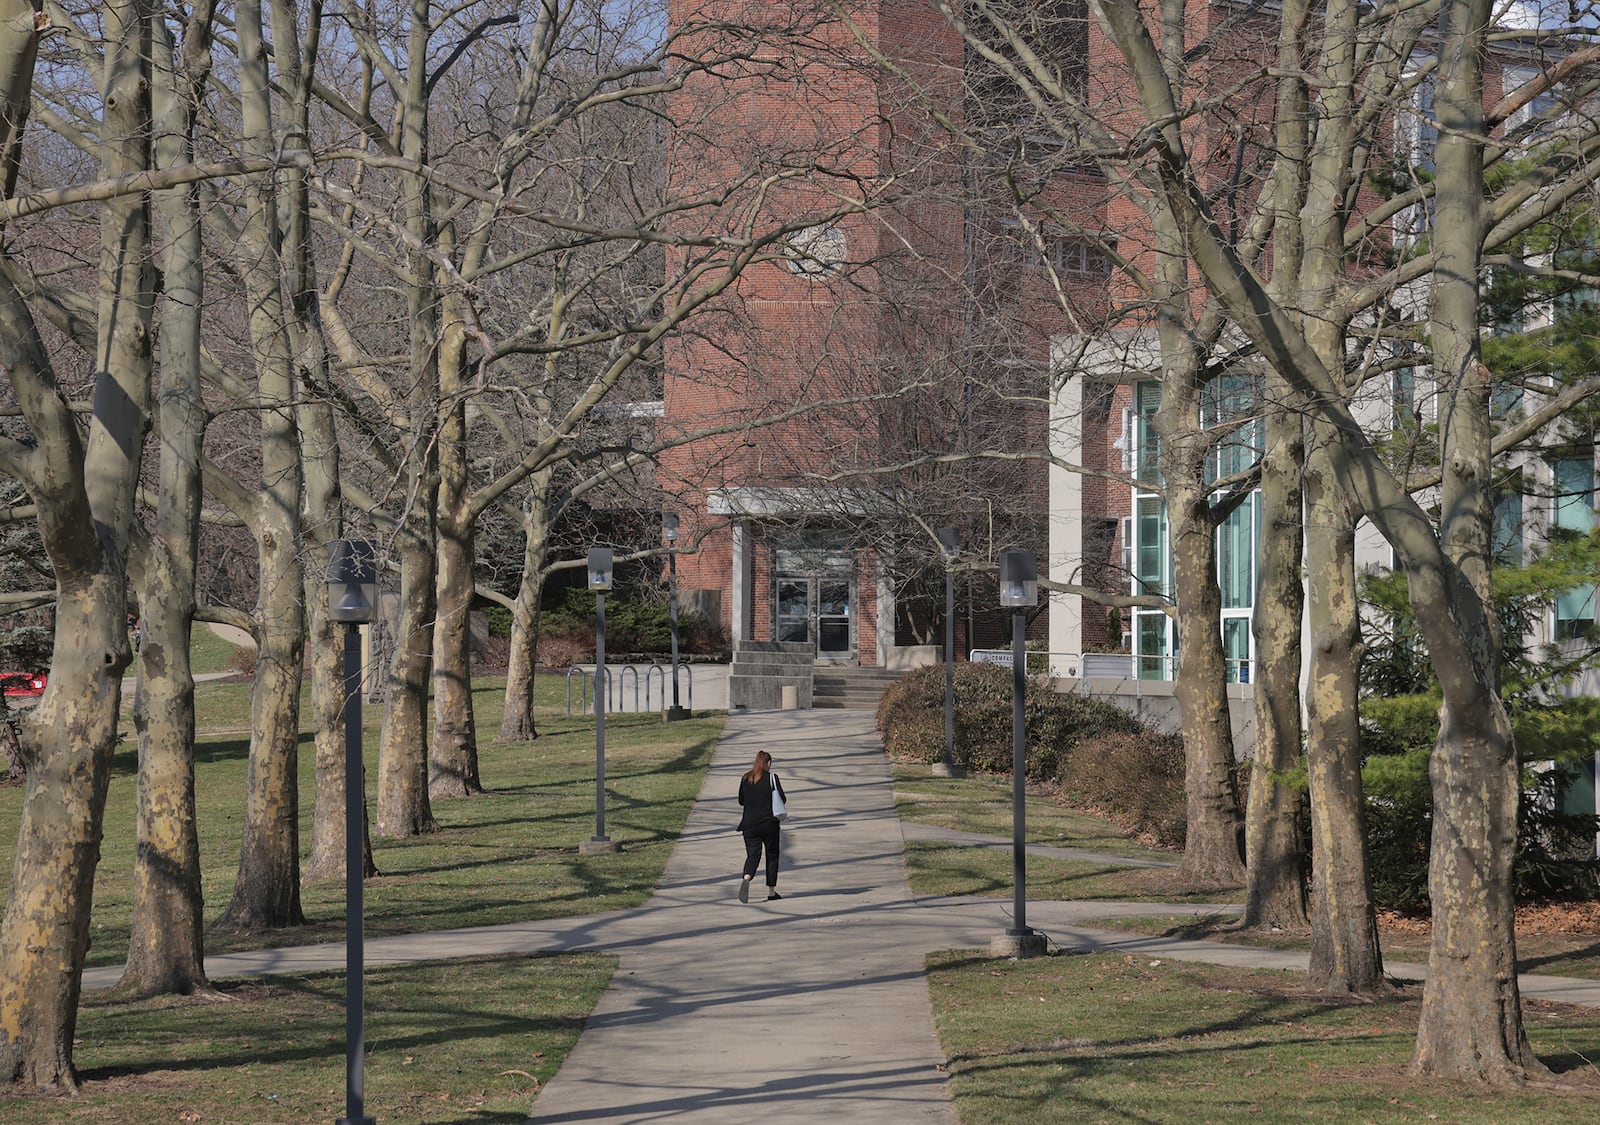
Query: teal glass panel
(1150, 646)
(1150, 550)
(1236, 558)
(1236, 648)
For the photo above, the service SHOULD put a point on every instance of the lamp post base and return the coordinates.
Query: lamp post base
(354, 1121)
(675, 714)
(598, 845)
(939, 769)
(1019, 944)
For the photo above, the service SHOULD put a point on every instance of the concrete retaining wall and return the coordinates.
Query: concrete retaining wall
(762, 669)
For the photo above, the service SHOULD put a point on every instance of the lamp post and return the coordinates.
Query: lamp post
(599, 582)
(1019, 590)
(669, 532)
(950, 540)
(352, 597)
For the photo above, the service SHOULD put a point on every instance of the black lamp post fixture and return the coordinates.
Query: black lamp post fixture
(352, 600)
(669, 532)
(1019, 591)
(950, 540)
(599, 581)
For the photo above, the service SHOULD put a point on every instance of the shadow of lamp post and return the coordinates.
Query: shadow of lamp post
(600, 567)
(669, 532)
(352, 599)
(1019, 591)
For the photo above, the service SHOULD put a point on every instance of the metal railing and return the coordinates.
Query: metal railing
(1103, 665)
(617, 676)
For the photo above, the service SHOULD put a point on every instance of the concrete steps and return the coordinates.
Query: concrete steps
(853, 689)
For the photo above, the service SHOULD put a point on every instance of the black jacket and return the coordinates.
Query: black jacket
(756, 797)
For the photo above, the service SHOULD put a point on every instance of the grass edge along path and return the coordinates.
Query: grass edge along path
(470, 1040)
(1107, 1038)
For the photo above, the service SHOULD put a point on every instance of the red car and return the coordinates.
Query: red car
(22, 683)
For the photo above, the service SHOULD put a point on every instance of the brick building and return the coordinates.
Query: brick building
(902, 309)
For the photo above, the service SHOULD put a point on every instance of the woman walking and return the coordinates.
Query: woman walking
(759, 824)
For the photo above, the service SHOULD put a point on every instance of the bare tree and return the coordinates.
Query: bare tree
(84, 491)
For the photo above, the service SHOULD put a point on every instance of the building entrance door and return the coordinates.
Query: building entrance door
(815, 611)
(833, 620)
(794, 600)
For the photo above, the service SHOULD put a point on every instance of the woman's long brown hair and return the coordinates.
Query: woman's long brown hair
(763, 761)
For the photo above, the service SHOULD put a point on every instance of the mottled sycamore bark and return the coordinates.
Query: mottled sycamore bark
(266, 891)
(517, 724)
(166, 943)
(403, 808)
(1471, 1024)
(1274, 872)
(84, 492)
(454, 762)
(1274, 852)
(1345, 956)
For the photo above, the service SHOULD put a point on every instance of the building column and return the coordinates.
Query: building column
(740, 593)
(1064, 562)
(883, 616)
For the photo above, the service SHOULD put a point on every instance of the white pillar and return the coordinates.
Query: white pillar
(739, 594)
(1064, 561)
(884, 616)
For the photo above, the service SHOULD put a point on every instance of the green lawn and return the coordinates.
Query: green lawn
(1092, 1039)
(463, 1041)
(982, 804)
(510, 855)
(1556, 954)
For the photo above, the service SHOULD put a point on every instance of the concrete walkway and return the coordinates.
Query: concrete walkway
(811, 1006)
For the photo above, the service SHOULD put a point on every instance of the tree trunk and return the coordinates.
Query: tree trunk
(1211, 845)
(403, 806)
(1211, 851)
(266, 892)
(84, 493)
(1471, 1024)
(1275, 895)
(166, 943)
(517, 724)
(1344, 933)
(455, 737)
(68, 741)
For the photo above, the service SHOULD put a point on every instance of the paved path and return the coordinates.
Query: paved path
(809, 1007)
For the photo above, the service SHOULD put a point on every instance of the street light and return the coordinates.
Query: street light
(950, 540)
(669, 532)
(1019, 590)
(599, 582)
(352, 598)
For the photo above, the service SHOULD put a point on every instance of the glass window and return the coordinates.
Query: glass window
(1236, 648)
(1150, 551)
(1147, 400)
(1150, 646)
(1573, 510)
(1236, 558)
(1507, 546)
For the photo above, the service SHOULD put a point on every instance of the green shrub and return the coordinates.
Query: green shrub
(911, 720)
(1554, 857)
(1133, 777)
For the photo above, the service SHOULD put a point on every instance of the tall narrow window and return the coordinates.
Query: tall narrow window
(1573, 511)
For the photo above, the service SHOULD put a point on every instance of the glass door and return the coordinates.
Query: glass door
(833, 619)
(794, 599)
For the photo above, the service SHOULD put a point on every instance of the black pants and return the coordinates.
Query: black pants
(764, 835)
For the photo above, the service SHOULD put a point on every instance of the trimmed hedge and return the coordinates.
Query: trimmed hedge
(1135, 779)
(911, 720)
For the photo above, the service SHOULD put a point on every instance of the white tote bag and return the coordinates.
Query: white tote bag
(779, 809)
